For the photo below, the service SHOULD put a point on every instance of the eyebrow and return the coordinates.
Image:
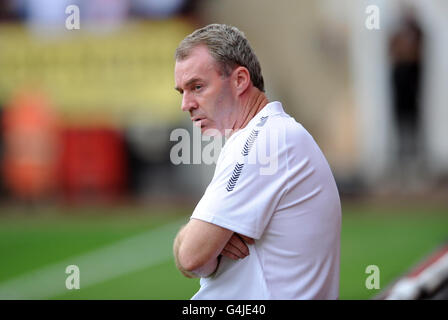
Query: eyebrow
(189, 82)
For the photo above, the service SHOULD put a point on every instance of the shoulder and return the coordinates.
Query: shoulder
(291, 142)
(289, 125)
(287, 130)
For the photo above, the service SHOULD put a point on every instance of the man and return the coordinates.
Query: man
(257, 232)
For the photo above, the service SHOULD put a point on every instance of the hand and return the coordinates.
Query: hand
(236, 248)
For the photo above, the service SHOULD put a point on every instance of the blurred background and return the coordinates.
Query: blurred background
(86, 116)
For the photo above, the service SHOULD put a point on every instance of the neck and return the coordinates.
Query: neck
(250, 106)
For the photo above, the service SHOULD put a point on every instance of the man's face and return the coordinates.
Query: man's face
(206, 94)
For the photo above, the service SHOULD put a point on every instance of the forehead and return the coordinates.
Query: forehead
(199, 64)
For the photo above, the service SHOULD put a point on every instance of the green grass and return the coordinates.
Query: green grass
(31, 242)
(392, 239)
(161, 282)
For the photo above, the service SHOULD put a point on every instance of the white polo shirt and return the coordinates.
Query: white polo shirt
(272, 183)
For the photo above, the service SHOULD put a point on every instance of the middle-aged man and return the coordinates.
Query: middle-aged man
(258, 232)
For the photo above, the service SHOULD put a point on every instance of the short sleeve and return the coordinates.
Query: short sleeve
(249, 181)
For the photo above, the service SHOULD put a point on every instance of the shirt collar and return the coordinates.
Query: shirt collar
(272, 108)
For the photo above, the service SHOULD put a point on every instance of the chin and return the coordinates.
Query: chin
(212, 132)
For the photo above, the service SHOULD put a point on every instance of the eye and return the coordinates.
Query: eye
(197, 87)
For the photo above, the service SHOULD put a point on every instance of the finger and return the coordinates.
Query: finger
(246, 239)
(239, 245)
(229, 254)
(234, 250)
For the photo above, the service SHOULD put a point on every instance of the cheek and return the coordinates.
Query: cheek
(210, 104)
(224, 103)
(216, 103)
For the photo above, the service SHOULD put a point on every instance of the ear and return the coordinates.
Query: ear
(241, 79)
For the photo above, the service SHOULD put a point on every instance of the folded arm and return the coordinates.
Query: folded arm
(198, 245)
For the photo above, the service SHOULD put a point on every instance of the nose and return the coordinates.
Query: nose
(188, 102)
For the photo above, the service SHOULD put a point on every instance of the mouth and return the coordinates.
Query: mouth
(197, 120)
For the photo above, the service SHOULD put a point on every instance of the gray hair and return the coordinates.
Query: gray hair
(228, 46)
